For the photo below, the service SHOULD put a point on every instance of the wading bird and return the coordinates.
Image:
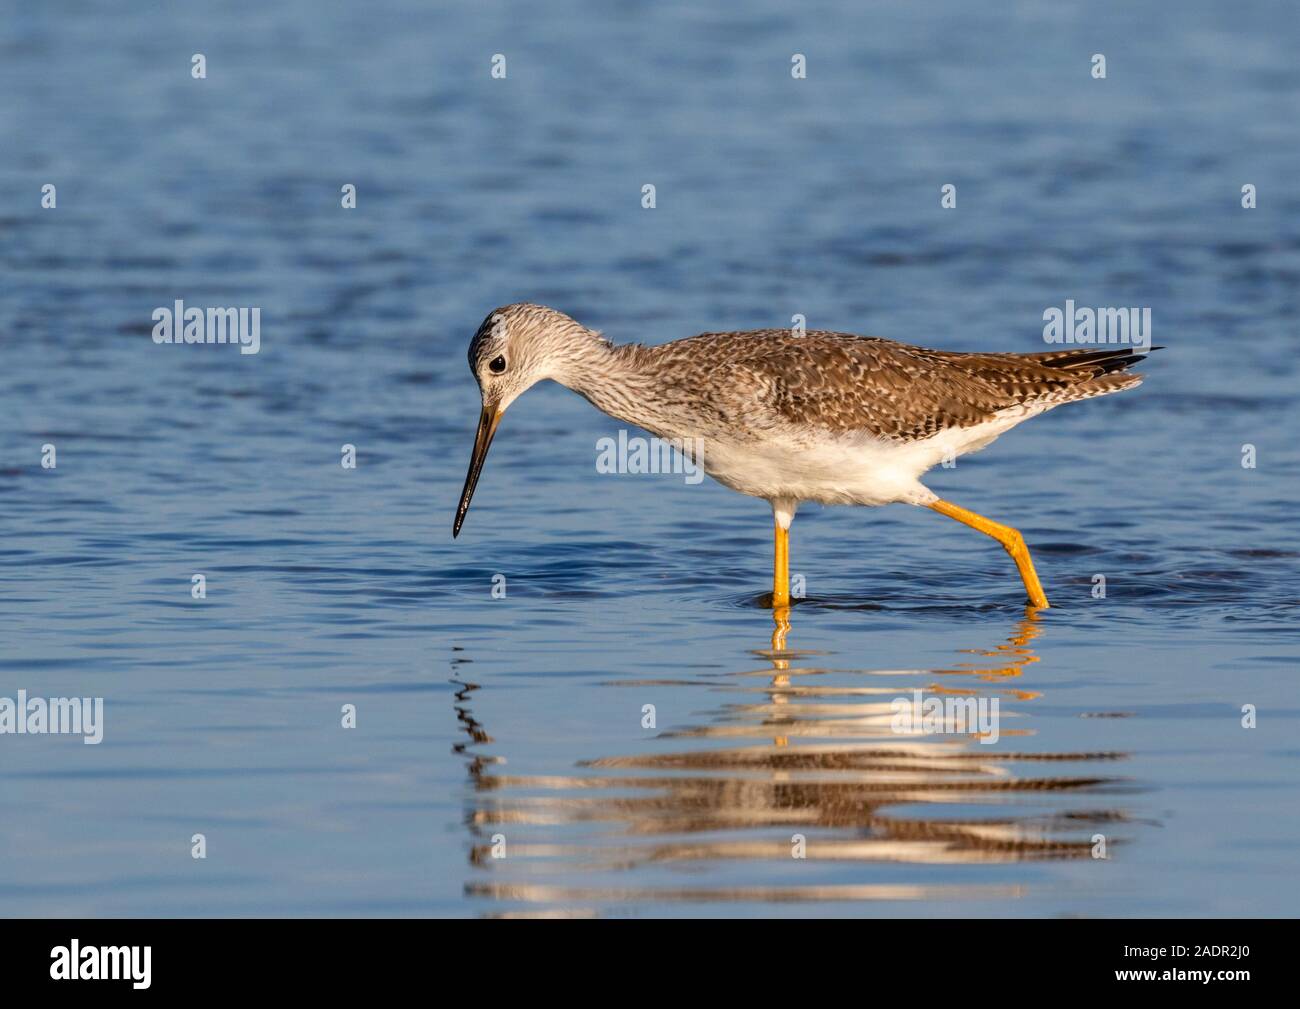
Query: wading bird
(789, 417)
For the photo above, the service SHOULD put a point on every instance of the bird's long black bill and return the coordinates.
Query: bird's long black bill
(487, 427)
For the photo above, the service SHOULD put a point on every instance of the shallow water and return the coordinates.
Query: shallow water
(517, 721)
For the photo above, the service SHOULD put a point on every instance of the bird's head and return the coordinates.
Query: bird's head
(516, 347)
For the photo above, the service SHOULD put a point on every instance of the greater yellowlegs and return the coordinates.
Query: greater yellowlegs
(791, 417)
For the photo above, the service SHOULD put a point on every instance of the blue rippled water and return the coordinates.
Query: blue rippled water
(514, 726)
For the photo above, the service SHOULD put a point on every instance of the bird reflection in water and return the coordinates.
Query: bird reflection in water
(797, 788)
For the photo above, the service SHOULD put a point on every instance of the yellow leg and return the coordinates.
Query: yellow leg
(781, 568)
(781, 627)
(1012, 542)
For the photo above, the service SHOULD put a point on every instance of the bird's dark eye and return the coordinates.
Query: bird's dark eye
(498, 365)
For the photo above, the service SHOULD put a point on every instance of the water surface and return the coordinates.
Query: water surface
(516, 723)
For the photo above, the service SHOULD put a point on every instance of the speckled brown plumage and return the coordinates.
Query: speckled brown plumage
(844, 383)
(756, 380)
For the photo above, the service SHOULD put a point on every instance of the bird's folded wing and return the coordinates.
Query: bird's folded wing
(861, 385)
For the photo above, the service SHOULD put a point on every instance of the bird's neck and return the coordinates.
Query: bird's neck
(619, 381)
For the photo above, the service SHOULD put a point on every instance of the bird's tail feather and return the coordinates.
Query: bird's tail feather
(1102, 362)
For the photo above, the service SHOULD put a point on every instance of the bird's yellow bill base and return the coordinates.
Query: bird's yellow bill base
(1012, 542)
(781, 568)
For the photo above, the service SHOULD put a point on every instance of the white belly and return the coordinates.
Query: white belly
(855, 470)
